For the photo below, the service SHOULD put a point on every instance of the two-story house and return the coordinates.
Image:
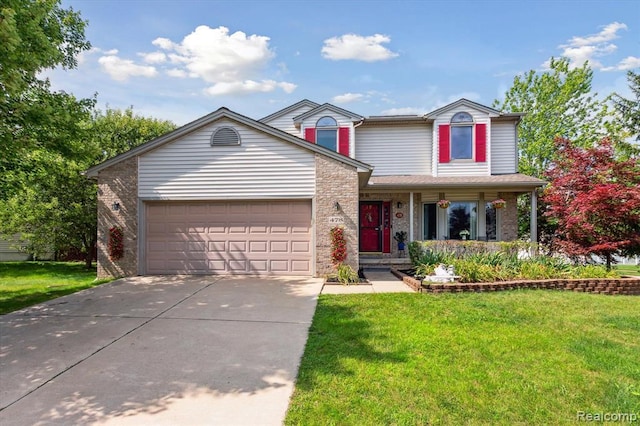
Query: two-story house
(227, 194)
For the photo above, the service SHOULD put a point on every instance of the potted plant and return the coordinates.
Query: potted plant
(444, 204)
(499, 203)
(401, 238)
(464, 234)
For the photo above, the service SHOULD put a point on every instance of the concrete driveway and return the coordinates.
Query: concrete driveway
(158, 350)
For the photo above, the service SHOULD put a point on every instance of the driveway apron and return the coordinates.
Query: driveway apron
(158, 350)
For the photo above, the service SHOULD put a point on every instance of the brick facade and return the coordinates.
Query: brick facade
(335, 182)
(118, 184)
(509, 218)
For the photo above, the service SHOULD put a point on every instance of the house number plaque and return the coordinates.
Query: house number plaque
(335, 220)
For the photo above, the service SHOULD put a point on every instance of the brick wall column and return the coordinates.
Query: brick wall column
(335, 182)
(509, 219)
(118, 184)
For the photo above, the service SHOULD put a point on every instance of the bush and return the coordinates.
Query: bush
(346, 275)
(489, 262)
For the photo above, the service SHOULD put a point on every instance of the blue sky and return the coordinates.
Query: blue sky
(182, 59)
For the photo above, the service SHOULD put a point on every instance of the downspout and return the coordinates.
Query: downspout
(352, 149)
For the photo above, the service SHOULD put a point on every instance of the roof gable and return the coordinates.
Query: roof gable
(328, 107)
(290, 108)
(469, 104)
(211, 118)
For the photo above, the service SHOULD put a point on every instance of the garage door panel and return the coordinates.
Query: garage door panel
(263, 237)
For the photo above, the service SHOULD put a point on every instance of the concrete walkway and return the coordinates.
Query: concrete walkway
(158, 350)
(382, 281)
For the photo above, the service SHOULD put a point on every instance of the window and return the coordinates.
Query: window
(225, 136)
(327, 133)
(462, 220)
(429, 223)
(462, 136)
(492, 222)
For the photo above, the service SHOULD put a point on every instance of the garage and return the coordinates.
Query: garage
(229, 237)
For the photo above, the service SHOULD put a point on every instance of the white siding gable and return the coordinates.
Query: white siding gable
(285, 122)
(261, 167)
(395, 150)
(461, 167)
(504, 157)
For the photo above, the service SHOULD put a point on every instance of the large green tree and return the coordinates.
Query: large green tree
(558, 102)
(47, 139)
(53, 206)
(629, 109)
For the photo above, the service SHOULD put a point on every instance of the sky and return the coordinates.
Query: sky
(182, 59)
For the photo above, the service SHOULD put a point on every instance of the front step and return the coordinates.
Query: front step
(385, 262)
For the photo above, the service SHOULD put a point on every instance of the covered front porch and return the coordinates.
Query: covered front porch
(482, 209)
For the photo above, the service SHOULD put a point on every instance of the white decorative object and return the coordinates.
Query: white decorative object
(443, 274)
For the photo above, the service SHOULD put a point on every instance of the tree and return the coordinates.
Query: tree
(629, 109)
(557, 103)
(116, 131)
(52, 205)
(595, 200)
(36, 35)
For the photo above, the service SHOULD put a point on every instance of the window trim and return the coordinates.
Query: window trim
(324, 127)
(472, 126)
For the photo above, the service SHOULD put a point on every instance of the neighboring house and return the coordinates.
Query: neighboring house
(231, 195)
(9, 252)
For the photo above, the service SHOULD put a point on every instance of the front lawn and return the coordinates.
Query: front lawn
(27, 283)
(519, 357)
(628, 269)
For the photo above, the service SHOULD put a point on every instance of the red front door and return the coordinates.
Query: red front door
(371, 226)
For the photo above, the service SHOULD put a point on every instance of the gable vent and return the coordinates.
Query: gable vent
(225, 136)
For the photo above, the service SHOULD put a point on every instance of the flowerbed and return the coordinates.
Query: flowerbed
(620, 286)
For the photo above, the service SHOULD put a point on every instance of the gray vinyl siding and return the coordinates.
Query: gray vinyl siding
(285, 122)
(463, 167)
(503, 148)
(261, 167)
(395, 150)
(9, 253)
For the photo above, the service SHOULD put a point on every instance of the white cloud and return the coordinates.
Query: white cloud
(580, 49)
(359, 48)
(248, 86)
(234, 62)
(154, 57)
(608, 33)
(121, 69)
(175, 72)
(628, 63)
(347, 97)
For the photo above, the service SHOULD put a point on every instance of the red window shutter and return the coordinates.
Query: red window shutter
(444, 147)
(310, 134)
(343, 141)
(481, 143)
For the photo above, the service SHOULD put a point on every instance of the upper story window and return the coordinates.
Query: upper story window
(462, 136)
(327, 133)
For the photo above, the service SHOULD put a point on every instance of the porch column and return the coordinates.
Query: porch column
(410, 216)
(534, 217)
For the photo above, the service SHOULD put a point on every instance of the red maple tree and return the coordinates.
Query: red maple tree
(594, 200)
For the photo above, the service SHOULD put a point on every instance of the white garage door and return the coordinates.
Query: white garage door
(257, 237)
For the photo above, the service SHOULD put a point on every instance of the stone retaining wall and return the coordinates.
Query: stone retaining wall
(622, 286)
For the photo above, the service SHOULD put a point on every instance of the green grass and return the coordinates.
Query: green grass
(24, 284)
(628, 269)
(519, 357)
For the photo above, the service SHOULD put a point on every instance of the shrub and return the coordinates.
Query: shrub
(346, 275)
